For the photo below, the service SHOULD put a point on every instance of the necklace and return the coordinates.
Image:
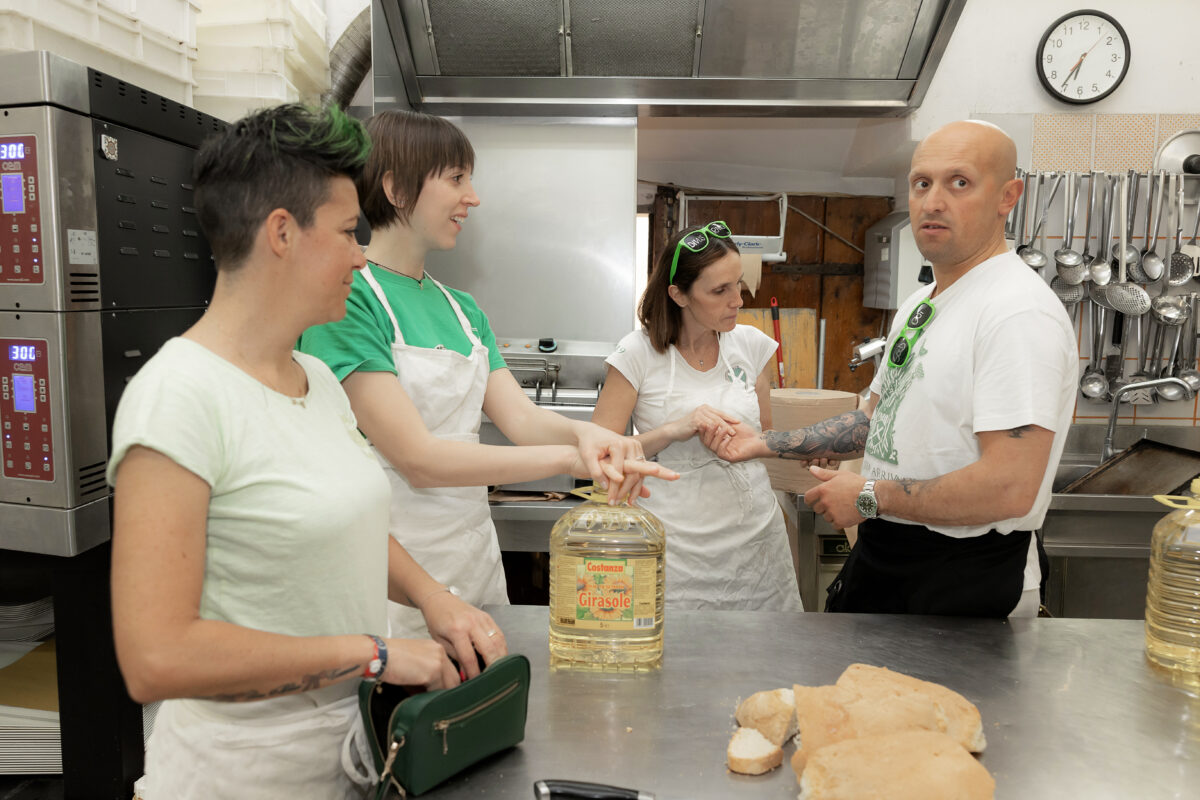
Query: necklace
(696, 353)
(419, 281)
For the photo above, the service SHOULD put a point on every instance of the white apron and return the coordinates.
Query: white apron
(309, 754)
(449, 530)
(727, 544)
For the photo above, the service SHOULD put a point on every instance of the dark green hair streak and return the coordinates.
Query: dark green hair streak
(280, 157)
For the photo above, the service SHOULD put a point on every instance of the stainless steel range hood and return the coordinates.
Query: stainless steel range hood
(661, 57)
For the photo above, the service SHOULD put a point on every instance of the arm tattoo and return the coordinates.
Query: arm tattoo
(1018, 432)
(841, 437)
(307, 683)
(912, 486)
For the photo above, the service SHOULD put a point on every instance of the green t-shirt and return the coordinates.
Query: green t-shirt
(362, 340)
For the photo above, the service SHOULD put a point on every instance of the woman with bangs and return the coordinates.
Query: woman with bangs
(420, 365)
(692, 369)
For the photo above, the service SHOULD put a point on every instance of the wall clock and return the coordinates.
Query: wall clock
(1083, 57)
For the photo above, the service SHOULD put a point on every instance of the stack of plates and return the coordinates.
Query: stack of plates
(29, 734)
(29, 743)
(27, 622)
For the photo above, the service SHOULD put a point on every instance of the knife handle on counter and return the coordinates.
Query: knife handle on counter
(580, 790)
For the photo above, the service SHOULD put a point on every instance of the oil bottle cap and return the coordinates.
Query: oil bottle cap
(593, 493)
(1177, 501)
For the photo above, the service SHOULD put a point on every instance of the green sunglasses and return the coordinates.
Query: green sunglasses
(697, 240)
(917, 322)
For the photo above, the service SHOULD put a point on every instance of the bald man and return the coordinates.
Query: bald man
(968, 413)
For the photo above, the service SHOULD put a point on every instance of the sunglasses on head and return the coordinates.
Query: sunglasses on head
(697, 240)
(917, 322)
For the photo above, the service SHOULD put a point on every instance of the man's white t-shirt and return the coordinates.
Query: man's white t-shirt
(999, 353)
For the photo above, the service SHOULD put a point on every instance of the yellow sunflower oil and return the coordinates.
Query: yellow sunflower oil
(1173, 592)
(606, 587)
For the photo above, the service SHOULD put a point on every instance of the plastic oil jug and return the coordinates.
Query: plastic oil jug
(606, 586)
(1173, 592)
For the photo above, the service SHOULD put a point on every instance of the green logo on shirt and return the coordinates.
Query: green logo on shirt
(881, 440)
(737, 375)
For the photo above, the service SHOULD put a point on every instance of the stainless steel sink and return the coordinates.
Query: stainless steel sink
(1099, 544)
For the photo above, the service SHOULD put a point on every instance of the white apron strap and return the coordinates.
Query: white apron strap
(378, 290)
(458, 312)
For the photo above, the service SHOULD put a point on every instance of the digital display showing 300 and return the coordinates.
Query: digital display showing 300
(12, 151)
(22, 352)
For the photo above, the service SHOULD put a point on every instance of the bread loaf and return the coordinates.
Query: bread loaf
(771, 713)
(868, 701)
(751, 753)
(912, 765)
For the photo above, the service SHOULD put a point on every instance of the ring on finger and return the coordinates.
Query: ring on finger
(491, 633)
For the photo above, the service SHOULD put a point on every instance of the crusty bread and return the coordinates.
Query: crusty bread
(751, 753)
(912, 765)
(771, 713)
(868, 701)
(956, 716)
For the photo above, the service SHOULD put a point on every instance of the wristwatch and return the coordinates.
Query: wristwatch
(866, 503)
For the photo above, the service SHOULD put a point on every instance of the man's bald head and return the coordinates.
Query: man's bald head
(995, 151)
(961, 189)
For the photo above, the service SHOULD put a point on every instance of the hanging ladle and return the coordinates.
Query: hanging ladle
(1128, 206)
(1152, 265)
(1092, 384)
(1086, 257)
(1100, 268)
(1070, 264)
(1031, 255)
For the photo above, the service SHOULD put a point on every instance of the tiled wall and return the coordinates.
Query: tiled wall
(1113, 143)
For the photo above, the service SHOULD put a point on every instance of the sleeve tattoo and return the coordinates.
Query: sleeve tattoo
(841, 437)
(307, 683)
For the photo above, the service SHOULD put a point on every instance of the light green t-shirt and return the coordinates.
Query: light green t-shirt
(362, 340)
(297, 530)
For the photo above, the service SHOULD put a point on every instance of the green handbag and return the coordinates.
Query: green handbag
(420, 740)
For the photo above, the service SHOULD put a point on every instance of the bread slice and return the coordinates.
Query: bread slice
(772, 713)
(868, 701)
(912, 765)
(751, 753)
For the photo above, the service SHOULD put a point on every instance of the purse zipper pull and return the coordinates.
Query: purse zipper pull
(444, 727)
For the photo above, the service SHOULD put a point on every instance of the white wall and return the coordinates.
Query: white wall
(988, 67)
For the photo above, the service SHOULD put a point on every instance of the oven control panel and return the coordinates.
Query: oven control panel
(20, 239)
(25, 410)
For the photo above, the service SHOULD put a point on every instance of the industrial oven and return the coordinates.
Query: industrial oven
(101, 261)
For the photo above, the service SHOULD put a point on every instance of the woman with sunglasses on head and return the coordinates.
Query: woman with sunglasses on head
(692, 369)
(420, 365)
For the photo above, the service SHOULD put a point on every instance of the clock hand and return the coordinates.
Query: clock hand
(1074, 71)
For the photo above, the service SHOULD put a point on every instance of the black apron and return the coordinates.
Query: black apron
(908, 569)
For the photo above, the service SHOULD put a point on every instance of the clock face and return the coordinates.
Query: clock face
(1083, 57)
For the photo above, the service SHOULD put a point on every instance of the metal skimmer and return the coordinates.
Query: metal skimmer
(1180, 268)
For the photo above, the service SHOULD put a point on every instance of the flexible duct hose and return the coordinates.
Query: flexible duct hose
(350, 60)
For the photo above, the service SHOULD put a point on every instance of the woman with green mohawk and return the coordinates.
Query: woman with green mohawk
(251, 557)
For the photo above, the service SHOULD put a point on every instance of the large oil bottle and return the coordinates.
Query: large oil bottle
(606, 587)
(1173, 592)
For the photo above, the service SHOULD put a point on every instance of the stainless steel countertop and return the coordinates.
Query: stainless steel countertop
(1070, 707)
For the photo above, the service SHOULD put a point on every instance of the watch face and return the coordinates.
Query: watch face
(1083, 57)
(867, 505)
